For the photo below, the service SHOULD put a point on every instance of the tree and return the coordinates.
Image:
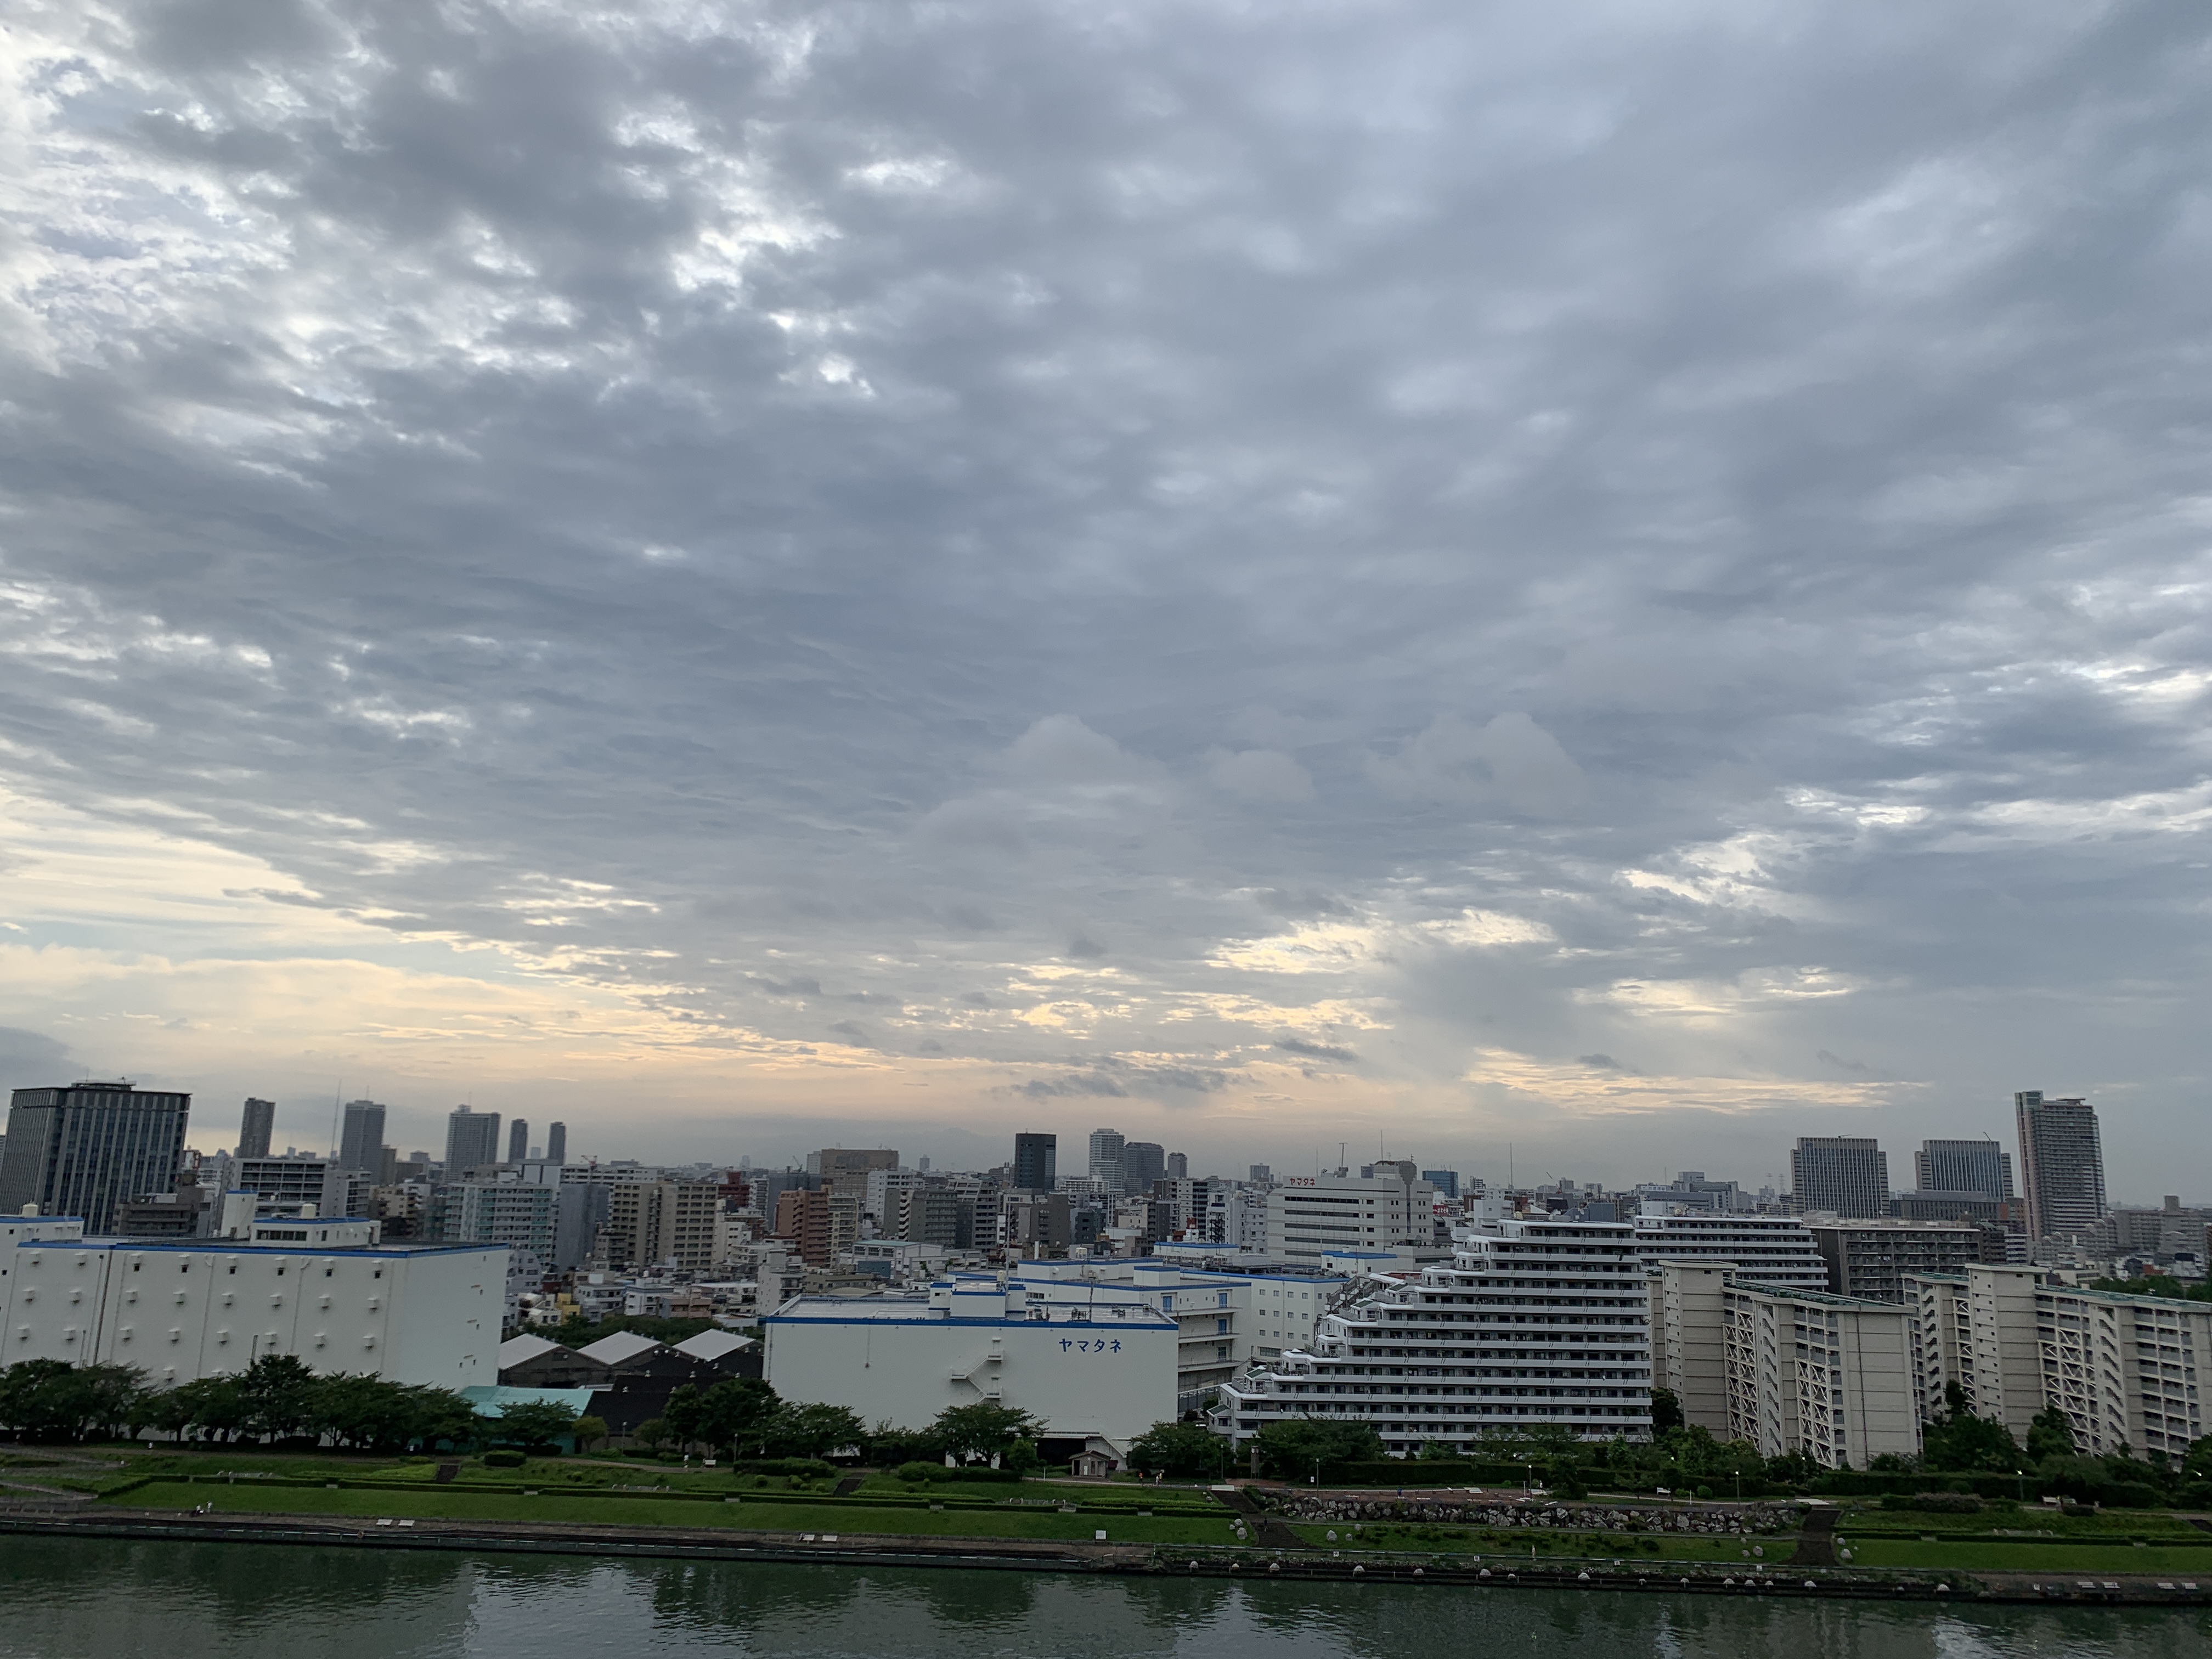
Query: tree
(366, 1412)
(205, 1408)
(1666, 1411)
(530, 1424)
(279, 1392)
(1183, 1450)
(1960, 1442)
(654, 1431)
(2049, 1434)
(685, 1415)
(981, 1430)
(589, 1431)
(812, 1431)
(53, 1400)
(735, 1415)
(1291, 1449)
(440, 1416)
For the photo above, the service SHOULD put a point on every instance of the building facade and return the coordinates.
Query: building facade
(1762, 1250)
(471, 1141)
(1829, 1377)
(1963, 1166)
(1872, 1259)
(258, 1124)
(360, 1137)
(186, 1309)
(82, 1150)
(2062, 1165)
(1839, 1174)
(1309, 1216)
(1101, 1367)
(652, 1222)
(1037, 1159)
(1533, 1322)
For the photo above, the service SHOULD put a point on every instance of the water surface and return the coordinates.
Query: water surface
(103, 1598)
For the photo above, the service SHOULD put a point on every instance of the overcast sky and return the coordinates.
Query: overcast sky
(1625, 581)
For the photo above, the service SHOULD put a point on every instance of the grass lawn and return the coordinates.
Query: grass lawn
(640, 1511)
(2078, 1560)
(2029, 1518)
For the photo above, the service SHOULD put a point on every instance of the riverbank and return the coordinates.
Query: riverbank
(1093, 1558)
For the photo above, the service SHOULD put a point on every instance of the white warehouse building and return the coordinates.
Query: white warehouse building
(1089, 1361)
(180, 1309)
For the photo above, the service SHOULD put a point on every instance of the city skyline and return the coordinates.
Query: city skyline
(1284, 605)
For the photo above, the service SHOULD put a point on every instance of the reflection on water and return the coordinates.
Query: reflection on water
(112, 1599)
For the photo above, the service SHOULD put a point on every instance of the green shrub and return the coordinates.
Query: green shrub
(917, 1473)
(504, 1459)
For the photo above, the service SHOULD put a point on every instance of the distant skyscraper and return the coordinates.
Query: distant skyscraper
(1843, 1173)
(1143, 1162)
(1260, 1174)
(1963, 1166)
(518, 1140)
(1444, 1181)
(260, 1122)
(1105, 1162)
(80, 1151)
(471, 1141)
(360, 1142)
(1178, 1166)
(556, 1143)
(2062, 1164)
(1035, 1159)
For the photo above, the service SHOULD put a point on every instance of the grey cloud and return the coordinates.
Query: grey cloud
(1841, 1064)
(1085, 949)
(1292, 1045)
(925, 477)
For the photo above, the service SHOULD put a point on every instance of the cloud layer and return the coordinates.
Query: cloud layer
(1435, 568)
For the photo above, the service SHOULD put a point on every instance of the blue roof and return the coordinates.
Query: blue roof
(492, 1399)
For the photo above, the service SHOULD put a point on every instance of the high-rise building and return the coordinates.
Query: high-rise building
(253, 1133)
(82, 1150)
(518, 1140)
(2062, 1164)
(1963, 1166)
(1844, 1174)
(1035, 1160)
(1143, 1162)
(1777, 1251)
(361, 1141)
(1444, 1354)
(1105, 1164)
(1444, 1181)
(471, 1141)
(1385, 1212)
(556, 1143)
(650, 1222)
(1178, 1166)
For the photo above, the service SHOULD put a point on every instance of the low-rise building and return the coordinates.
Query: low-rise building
(1761, 1249)
(323, 1289)
(1101, 1365)
(1310, 1216)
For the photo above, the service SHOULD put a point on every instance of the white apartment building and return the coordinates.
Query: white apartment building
(322, 1290)
(1310, 1216)
(1777, 1250)
(1689, 1342)
(1093, 1361)
(1828, 1376)
(1532, 1322)
(2125, 1370)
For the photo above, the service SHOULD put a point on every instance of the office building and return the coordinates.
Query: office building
(258, 1123)
(324, 1290)
(846, 1171)
(1105, 1160)
(556, 1143)
(82, 1148)
(1445, 1353)
(1963, 1166)
(2062, 1165)
(1871, 1260)
(1143, 1162)
(1309, 1216)
(296, 1184)
(361, 1138)
(553, 1222)
(518, 1141)
(1446, 1182)
(1775, 1250)
(1178, 1166)
(1839, 1174)
(1826, 1375)
(1100, 1366)
(1036, 1159)
(472, 1142)
(820, 1226)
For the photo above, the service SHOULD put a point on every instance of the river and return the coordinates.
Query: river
(97, 1599)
